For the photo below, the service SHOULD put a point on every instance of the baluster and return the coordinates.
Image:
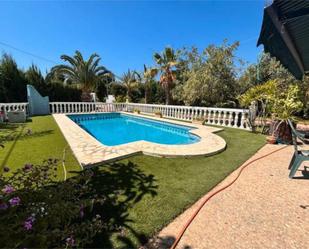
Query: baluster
(236, 119)
(224, 118)
(242, 120)
(219, 117)
(204, 114)
(199, 113)
(229, 118)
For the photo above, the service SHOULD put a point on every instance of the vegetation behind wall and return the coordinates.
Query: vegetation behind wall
(214, 76)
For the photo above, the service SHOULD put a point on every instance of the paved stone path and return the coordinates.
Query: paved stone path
(263, 209)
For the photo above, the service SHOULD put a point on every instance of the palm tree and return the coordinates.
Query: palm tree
(86, 74)
(130, 81)
(167, 61)
(148, 77)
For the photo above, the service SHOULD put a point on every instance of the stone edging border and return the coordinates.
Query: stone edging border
(89, 151)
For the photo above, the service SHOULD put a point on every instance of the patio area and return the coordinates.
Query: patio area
(263, 209)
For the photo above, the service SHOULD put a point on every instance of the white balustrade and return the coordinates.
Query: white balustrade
(72, 107)
(14, 107)
(237, 118)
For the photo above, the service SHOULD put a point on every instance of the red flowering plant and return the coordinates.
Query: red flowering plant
(38, 211)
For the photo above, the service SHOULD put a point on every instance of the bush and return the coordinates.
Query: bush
(36, 211)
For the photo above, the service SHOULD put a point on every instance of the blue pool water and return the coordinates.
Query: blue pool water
(115, 128)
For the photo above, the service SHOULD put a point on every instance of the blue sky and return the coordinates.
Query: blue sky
(125, 33)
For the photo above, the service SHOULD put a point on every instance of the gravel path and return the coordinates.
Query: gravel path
(263, 209)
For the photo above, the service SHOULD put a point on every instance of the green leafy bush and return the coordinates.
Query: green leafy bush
(137, 111)
(282, 102)
(36, 211)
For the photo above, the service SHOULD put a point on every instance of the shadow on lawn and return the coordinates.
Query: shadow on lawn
(163, 243)
(123, 185)
(8, 126)
(34, 134)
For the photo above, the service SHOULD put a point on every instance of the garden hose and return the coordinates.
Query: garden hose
(63, 163)
(187, 224)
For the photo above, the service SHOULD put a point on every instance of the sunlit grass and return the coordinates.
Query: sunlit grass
(151, 190)
(33, 142)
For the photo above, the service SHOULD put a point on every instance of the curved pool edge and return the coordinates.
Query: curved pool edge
(89, 151)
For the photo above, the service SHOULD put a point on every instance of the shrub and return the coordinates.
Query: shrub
(157, 112)
(37, 211)
(137, 110)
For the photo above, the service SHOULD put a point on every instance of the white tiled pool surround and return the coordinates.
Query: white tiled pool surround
(90, 151)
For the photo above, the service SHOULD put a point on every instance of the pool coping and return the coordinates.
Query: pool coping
(89, 151)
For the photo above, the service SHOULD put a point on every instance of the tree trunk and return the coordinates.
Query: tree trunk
(281, 131)
(86, 96)
(168, 97)
(129, 94)
(147, 93)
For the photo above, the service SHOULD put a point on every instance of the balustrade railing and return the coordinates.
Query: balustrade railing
(84, 107)
(13, 107)
(72, 107)
(237, 118)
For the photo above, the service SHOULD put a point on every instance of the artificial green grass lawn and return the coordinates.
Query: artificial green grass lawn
(45, 141)
(150, 191)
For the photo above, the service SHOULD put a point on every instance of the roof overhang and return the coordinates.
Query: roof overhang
(285, 34)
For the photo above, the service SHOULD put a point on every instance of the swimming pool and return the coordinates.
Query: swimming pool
(117, 128)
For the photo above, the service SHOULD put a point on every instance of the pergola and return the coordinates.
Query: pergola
(285, 34)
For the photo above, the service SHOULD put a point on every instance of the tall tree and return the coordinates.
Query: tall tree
(130, 81)
(12, 81)
(86, 74)
(210, 80)
(147, 79)
(34, 76)
(167, 62)
(267, 68)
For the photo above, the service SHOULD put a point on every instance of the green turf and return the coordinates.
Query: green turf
(143, 193)
(44, 141)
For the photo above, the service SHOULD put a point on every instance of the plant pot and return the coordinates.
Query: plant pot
(158, 115)
(271, 139)
(282, 131)
(135, 112)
